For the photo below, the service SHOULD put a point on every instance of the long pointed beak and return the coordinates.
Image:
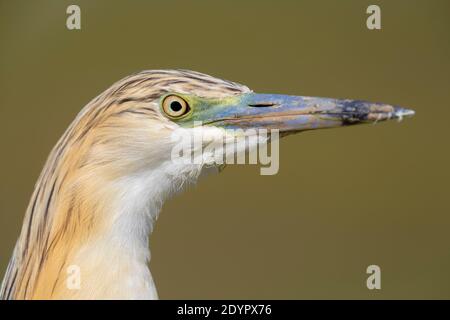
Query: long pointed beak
(291, 114)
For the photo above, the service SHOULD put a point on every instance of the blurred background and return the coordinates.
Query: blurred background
(343, 199)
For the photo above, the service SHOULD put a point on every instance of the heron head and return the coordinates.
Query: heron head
(144, 110)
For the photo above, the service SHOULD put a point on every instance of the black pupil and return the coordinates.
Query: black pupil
(176, 106)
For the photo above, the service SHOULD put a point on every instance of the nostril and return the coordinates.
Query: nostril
(261, 104)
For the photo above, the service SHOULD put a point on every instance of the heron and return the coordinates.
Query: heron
(99, 194)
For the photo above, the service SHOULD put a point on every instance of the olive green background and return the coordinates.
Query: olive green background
(343, 199)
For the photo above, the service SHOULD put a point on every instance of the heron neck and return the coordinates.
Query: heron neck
(86, 234)
(103, 251)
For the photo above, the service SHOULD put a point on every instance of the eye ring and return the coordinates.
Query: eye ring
(175, 107)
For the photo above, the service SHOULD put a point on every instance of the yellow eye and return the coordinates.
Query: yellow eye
(175, 107)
